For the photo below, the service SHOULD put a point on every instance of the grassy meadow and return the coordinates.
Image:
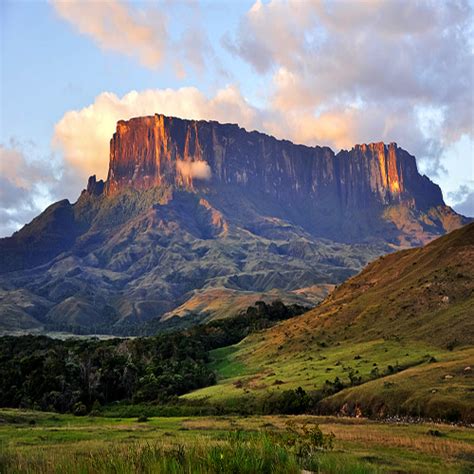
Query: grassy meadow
(48, 442)
(242, 371)
(382, 377)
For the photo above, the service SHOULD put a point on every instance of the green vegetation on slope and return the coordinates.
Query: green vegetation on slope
(396, 339)
(75, 375)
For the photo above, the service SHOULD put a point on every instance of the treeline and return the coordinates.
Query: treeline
(78, 375)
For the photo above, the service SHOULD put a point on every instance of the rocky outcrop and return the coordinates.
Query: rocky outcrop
(94, 187)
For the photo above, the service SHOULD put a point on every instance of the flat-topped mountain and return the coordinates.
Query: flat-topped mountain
(189, 207)
(335, 196)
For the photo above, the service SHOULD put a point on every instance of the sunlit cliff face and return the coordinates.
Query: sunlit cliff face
(159, 150)
(143, 155)
(394, 178)
(385, 170)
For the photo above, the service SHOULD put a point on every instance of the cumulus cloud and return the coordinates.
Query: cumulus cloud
(463, 200)
(365, 71)
(144, 33)
(83, 135)
(194, 169)
(466, 207)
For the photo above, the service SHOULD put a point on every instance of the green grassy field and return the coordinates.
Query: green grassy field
(398, 378)
(47, 442)
(241, 371)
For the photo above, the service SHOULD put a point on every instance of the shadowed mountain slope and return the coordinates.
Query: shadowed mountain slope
(425, 294)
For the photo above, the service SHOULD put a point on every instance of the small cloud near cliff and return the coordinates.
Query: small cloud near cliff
(194, 169)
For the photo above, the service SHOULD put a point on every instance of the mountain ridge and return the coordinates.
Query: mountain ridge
(194, 206)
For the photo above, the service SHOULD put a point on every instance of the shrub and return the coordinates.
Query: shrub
(79, 409)
(304, 441)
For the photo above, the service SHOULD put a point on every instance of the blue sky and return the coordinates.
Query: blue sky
(48, 68)
(332, 73)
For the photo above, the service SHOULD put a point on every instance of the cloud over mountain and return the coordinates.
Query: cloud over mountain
(25, 184)
(357, 72)
(316, 72)
(83, 135)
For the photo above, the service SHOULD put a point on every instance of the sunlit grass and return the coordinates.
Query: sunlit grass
(240, 372)
(45, 442)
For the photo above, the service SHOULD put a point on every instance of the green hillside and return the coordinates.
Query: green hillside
(399, 336)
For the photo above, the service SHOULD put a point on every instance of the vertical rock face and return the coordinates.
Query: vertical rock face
(150, 151)
(385, 174)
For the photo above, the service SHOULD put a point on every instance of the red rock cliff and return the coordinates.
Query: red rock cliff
(149, 151)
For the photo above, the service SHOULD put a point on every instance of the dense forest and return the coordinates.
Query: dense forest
(78, 374)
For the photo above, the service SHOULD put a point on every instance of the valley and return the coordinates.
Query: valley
(396, 339)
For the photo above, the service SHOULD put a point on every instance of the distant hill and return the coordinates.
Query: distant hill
(193, 208)
(400, 336)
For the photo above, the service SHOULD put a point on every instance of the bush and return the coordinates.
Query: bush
(304, 441)
(79, 409)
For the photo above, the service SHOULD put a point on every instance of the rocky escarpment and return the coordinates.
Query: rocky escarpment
(149, 151)
(201, 208)
(339, 196)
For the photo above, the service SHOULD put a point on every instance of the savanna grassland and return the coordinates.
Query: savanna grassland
(49, 442)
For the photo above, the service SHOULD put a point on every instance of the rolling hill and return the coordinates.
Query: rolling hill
(399, 336)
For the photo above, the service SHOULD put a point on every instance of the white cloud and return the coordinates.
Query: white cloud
(143, 32)
(348, 72)
(194, 169)
(25, 185)
(463, 199)
(116, 26)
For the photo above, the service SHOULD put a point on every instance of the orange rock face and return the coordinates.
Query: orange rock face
(150, 151)
(145, 151)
